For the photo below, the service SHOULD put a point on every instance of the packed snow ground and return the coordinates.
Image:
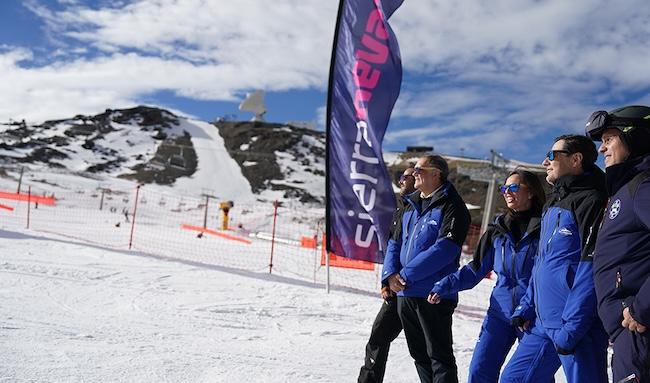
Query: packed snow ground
(77, 313)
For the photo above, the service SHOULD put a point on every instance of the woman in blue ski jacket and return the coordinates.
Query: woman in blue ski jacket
(508, 247)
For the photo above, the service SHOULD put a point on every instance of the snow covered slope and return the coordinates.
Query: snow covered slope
(75, 313)
(155, 147)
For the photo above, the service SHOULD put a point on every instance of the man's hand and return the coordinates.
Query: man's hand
(520, 323)
(385, 292)
(631, 324)
(434, 298)
(396, 283)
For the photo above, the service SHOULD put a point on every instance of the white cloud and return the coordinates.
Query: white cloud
(198, 49)
(493, 72)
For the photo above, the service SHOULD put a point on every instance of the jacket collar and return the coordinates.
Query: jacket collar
(503, 222)
(416, 200)
(594, 179)
(620, 174)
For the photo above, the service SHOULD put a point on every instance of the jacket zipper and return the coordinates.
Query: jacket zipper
(413, 234)
(548, 244)
(514, 272)
(557, 225)
(523, 264)
(503, 258)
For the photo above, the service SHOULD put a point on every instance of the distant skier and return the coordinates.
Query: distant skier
(125, 211)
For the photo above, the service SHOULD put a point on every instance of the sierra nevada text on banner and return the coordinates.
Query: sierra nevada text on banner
(365, 80)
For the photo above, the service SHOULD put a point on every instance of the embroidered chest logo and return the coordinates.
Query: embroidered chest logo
(615, 209)
(565, 232)
(433, 222)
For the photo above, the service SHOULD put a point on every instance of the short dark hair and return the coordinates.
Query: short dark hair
(575, 143)
(439, 163)
(537, 190)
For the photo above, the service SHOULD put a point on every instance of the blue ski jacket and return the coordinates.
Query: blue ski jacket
(622, 256)
(511, 261)
(427, 244)
(561, 289)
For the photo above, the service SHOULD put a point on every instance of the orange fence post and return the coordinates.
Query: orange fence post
(135, 209)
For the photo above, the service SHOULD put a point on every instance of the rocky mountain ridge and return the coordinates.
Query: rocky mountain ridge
(154, 146)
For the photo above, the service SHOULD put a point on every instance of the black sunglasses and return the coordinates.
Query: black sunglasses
(551, 154)
(420, 169)
(403, 177)
(601, 120)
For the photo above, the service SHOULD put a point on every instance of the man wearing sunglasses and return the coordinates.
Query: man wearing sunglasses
(387, 325)
(424, 249)
(622, 256)
(567, 330)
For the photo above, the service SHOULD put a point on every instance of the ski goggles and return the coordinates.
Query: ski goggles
(601, 120)
(512, 188)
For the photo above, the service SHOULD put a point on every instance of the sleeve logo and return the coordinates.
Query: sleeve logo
(615, 209)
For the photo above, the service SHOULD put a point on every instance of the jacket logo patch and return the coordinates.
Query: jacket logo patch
(615, 209)
(565, 232)
(433, 222)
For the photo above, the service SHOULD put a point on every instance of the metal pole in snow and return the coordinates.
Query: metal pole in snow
(101, 200)
(327, 268)
(205, 215)
(29, 203)
(275, 216)
(135, 209)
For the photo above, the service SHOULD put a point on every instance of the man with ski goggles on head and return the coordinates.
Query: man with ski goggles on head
(560, 297)
(622, 255)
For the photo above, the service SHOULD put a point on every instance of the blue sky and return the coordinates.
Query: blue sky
(507, 75)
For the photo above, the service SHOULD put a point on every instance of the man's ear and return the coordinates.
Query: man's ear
(576, 159)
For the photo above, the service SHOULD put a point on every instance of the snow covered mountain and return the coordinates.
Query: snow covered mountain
(242, 160)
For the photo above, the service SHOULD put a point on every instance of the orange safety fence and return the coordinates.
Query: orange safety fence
(26, 197)
(147, 221)
(6, 207)
(216, 233)
(347, 263)
(308, 242)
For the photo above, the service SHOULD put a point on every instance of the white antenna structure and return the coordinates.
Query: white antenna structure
(254, 102)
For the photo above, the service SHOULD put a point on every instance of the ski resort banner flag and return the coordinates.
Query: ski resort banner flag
(365, 79)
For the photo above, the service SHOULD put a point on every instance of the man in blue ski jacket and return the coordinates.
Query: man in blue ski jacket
(622, 256)
(567, 330)
(434, 224)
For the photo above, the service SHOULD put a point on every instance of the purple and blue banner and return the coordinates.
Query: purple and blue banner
(365, 79)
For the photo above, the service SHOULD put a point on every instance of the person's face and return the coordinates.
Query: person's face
(561, 164)
(613, 148)
(407, 182)
(519, 200)
(427, 178)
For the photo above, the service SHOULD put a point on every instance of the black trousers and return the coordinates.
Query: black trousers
(385, 329)
(631, 357)
(428, 333)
